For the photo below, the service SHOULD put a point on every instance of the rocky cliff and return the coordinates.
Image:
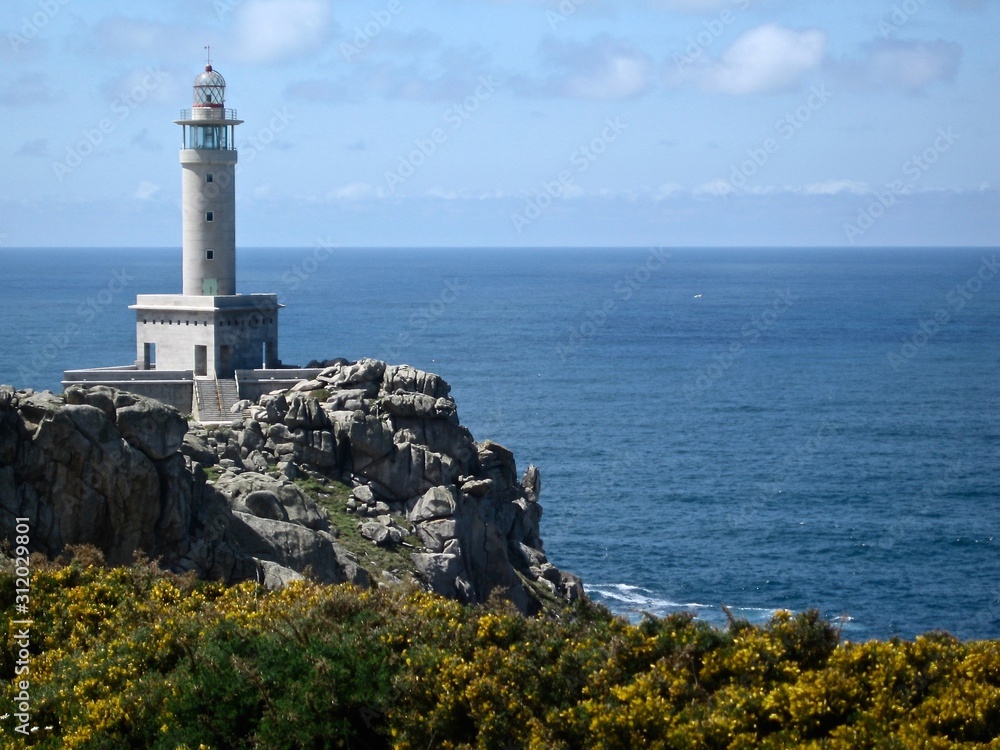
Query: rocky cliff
(364, 475)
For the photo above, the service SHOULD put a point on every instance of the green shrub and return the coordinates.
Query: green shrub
(129, 657)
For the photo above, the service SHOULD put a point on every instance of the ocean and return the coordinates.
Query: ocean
(756, 429)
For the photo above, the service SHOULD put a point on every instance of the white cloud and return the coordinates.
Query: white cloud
(668, 190)
(764, 59)
(604, 68)
(909, 66)
(833, 187)
(269, 31)
(353, 192)
(717, 188)
(146, 190)
(444, 194)
(619, 77)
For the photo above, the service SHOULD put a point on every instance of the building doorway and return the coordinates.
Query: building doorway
(200, 361)
(224, 367)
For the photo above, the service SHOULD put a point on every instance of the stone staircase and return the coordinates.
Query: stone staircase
(215, 399)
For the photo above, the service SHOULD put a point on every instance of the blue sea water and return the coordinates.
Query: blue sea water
(760, 429)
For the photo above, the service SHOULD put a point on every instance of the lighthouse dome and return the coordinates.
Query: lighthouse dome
(209, 89)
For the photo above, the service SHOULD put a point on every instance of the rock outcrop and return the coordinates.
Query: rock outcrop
(365, 457)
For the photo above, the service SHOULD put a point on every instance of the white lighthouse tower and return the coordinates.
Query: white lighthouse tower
(208, 188)
(209, 330)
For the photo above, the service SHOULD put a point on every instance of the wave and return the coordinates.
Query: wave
(635, 598)
(634, 601)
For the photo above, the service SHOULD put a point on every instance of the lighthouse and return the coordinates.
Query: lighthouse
(208, 189)
(207, 348)
(209, 329)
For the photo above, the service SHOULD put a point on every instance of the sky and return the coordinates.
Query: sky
(499, 123)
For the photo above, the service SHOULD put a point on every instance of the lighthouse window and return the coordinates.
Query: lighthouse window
(210, 255)
(210, 216)
(210, 177)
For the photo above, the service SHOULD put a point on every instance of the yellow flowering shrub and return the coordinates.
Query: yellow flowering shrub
(130, 657)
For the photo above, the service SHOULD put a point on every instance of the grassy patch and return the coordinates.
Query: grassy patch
(320, 394)
(332, 498)
(549, 601)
